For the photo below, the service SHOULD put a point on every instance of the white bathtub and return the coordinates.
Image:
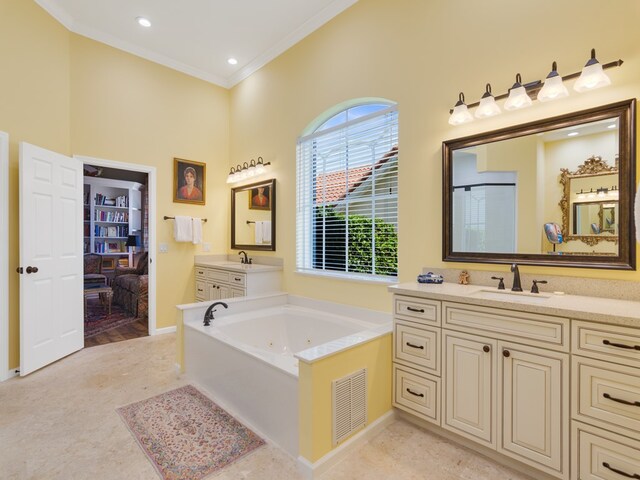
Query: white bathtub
(248, 358)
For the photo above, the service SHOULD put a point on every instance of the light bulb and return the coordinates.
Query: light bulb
(460, 112)
(488, 106)
(518, 97)
(592, 75)
(553, 87)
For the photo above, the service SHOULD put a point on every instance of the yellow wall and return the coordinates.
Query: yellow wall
(75, 96)
(314, 392)
(421, 55)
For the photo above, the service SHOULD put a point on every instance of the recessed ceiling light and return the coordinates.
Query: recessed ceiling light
(572, 134)
(613, 125)
(232, 61)
(143, 21)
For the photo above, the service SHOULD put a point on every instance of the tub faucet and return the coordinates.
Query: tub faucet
(516, 279)
(208, 315)
(244, 259)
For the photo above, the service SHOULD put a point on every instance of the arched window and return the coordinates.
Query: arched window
(347, 193)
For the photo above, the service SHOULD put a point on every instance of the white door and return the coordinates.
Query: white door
(51, 257)
(469, 378)
(534, 400)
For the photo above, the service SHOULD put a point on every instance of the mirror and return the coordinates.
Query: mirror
(253, 216)
(503, 189)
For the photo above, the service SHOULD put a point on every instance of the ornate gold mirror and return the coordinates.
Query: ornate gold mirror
(553, 192)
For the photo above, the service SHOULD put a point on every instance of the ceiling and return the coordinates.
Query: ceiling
(197, 37)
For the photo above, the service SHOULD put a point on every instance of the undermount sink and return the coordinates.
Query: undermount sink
(509, 296)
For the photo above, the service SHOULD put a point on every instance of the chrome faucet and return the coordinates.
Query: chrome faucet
(245, 259)
(516, 279)
(208, 315)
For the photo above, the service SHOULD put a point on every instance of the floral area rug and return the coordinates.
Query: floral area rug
(187, 436)
(97, 318)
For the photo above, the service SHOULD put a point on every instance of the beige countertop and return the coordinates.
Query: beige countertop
(237, 266)
(603, 310)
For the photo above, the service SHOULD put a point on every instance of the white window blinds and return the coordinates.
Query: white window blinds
(347, 197)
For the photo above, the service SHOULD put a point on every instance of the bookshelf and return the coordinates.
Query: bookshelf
(112, 211)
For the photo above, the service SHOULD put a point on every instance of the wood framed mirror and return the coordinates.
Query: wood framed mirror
(253, 216)
(502, 190)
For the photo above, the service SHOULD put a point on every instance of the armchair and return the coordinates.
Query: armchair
(93, 270)
(131, 287)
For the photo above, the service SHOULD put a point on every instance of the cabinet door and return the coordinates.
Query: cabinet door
(214, 292)
(469, 373)
(534, 400)
(224, 292)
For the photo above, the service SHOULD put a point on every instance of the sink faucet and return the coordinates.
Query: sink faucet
(245, 259)
(208, 315)
(516, 279)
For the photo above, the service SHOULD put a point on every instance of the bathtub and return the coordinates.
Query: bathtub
(247, 360)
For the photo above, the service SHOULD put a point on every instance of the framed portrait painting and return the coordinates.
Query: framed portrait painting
(260, 198)
(189, 181)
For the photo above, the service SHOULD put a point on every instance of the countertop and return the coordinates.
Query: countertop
(237, 266)
(602, 310)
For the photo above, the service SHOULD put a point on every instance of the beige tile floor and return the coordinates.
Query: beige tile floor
(60, 423)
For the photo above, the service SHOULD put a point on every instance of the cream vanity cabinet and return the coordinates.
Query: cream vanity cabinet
(606, 402)
(218, 282)
(503, 382)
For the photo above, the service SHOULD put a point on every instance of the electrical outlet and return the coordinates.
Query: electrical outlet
(164, 248)
(206, 247)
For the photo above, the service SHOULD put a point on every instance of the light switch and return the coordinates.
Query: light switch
(164, 248)
(206, 247)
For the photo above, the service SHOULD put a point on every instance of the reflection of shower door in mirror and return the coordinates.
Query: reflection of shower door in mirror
(476, 225)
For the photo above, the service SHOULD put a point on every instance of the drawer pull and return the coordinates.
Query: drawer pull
(418, 310)
(621, 345)
(486, 349)
(200, 290)
(421, 347)
(619, 400)
(506, 353)
(620, 472)
(414, 393)
(237, 279)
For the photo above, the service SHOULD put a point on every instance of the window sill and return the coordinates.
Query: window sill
(350, 277)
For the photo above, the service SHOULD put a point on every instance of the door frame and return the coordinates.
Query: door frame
(4, 257)
(152, 180)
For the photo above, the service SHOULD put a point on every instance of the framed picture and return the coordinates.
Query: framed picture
(189, 180)
(260, 198)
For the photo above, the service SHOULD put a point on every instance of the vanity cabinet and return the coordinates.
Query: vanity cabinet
(606, 402)
(215, 283)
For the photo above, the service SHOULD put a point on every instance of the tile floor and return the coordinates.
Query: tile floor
(60, 423)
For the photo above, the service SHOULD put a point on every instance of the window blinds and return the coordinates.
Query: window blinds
(347, 197)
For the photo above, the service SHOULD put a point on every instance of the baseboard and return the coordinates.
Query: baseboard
(161, 331)
(13, 372)
(313, 470)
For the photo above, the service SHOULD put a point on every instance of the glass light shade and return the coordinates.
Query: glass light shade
(592, 77)
(552, 89)
(488, 107)
(518, 98)
(460, 115)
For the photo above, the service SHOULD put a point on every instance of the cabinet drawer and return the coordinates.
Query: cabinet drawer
(201, 272)
(238, 279)
(418, 347)
(417, 394)
(417, 309)
(606, 342)
(511, 325)
(218, 275)
(602, 455)
(237, 292)
(607, 394)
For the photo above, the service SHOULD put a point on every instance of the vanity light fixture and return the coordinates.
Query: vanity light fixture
(592, 75)
(602, 191)
(553, 87)
(488, 106)
(591, 193)
(248, 170)
(460, 113)
(143, 22)
(581, 195)
(520, 95)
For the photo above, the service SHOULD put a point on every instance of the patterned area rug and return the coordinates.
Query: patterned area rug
(187, 436)
(98, 320)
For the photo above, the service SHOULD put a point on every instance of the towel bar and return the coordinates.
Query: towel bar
(173, 218)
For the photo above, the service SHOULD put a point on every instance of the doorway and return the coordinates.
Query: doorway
(123, 302)
(4, 256)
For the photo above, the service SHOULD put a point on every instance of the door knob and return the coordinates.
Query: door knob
(486, 348)
(31, 269)
(506, 353)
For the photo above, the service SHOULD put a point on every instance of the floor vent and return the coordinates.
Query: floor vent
(349, 404)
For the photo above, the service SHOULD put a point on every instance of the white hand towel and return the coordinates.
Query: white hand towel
(258, 229)
(266, 232)
(182, 229)
(197, 230)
